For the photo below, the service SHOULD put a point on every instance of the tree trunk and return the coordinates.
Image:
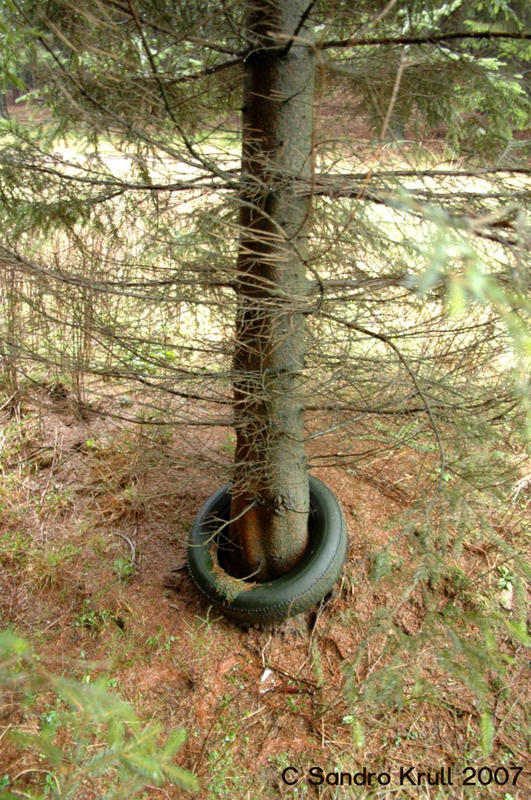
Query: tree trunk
(270, 499)
(3, 106)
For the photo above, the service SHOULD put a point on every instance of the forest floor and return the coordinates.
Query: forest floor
(94, 515)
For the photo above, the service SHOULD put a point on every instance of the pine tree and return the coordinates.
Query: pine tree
(314, 273)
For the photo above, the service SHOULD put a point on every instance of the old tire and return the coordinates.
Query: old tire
(301, 588)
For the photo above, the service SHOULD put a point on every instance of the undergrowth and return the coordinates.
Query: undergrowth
(418, 661)
(80, 735)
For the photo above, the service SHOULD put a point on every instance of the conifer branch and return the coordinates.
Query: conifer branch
(434, 38)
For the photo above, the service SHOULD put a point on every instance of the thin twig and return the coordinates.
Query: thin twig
(59, 619)
(299, 27)
(430, 39)
(389, 342)
(130, 543)
(394, 94)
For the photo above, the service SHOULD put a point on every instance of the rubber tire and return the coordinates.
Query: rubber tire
(301, 588)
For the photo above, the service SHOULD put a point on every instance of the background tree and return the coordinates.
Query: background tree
(123, 256)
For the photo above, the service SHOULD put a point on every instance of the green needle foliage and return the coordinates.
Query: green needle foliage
(90, 737)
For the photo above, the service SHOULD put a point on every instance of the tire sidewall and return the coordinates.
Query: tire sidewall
(302, 587)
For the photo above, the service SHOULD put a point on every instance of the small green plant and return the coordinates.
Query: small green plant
(14, 547)
(113, 683)
(57, 500)
(222, 766)
(91, 618)
(46, 565)
(124, 569)
(206, 622)
(229, 445)
(356, 730)
(161, 642)
(408, 736)
(153, 642)
(506, 578)
(97, 542)
(50, 718)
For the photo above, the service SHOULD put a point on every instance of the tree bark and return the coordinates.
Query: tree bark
(270, 498)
